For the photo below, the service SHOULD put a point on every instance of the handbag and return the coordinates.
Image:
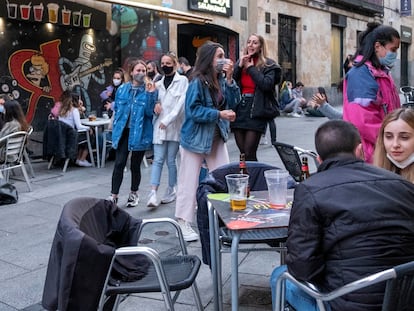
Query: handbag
(8, 194)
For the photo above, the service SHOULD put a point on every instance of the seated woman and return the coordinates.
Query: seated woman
(14, 121)
(394, 149)
(288, 103)
(69, 114)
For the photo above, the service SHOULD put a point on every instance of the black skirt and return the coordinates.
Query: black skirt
(243, 119)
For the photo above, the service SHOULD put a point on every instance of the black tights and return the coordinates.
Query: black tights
(121, 157)
(247, 141)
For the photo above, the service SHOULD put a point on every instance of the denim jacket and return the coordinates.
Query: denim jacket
(135, 108)
(201, 115)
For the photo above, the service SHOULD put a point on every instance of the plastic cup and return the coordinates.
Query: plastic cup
(25, 11)
(38, 12)
(87, 20)
(277, 187)
(65, 16)
(12, 10)
(76, 17)
(237, 185)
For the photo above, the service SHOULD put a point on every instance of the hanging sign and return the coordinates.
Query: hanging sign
(218, 7)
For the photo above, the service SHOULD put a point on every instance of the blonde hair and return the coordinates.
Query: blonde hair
(380, 154)
(262, 55)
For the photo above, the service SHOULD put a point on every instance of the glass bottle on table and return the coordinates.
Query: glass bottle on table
(305, 169)
(243, 169)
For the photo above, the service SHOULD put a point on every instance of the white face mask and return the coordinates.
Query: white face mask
(403, 164)
(116, 82)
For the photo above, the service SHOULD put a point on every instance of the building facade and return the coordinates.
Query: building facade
(47, 47)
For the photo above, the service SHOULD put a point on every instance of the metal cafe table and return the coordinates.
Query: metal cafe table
(96, 124)
(257, 216)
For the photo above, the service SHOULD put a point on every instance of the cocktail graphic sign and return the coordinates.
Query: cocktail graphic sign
(25, 11)
(11, 9)
(52, 9)
(65, 16)
(38, 12)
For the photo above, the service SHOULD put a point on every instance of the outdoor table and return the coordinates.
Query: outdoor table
(257, 215)
(96, 124)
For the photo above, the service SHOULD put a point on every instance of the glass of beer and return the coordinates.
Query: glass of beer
(237, 185)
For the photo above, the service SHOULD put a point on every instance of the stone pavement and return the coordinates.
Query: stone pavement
(27, 229)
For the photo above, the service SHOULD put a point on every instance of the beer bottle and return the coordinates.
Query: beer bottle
(305, 169)
(243, 169)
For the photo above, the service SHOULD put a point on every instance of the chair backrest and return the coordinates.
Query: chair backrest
(290, 156)
(398, 293)
(14, 146)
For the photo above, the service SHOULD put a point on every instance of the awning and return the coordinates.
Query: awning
(163, 11)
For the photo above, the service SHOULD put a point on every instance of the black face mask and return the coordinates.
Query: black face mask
(167, 69)
(151, 74)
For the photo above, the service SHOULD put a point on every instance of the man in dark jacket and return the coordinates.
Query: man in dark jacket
(349, 220)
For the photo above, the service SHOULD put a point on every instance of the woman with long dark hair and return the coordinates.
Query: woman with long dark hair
(369, 90)
(210, 96)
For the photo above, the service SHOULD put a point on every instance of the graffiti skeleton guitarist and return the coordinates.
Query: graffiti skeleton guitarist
(81, 71)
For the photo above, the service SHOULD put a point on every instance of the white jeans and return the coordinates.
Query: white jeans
(189, 171)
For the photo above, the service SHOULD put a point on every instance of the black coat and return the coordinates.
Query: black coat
(265, 79)
(59, 140)
(87, 234)
(349, 220)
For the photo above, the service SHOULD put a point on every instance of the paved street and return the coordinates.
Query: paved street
(27, 229)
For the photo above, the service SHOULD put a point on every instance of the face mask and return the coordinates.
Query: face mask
(116, 82)
(220, 63)
(389, 59)
(180, 70)
(167, 69)
(1, 109)
(151, 74)
(403, 164)
(139, 77)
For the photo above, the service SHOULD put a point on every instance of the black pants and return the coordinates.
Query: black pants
(121, 157)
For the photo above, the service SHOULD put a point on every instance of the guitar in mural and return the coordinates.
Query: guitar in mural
(70, 80)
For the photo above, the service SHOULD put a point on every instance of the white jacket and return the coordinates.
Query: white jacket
(172, 115)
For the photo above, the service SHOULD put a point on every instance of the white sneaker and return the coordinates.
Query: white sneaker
(169, 196)
(133, 200)
(189, 234)
(153, 201)
(296, 115)
(83, 163)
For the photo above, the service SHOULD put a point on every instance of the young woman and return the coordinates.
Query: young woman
(108, 95)
(369, 90)
(69, 113)
(169, 115)
(210, 95)
(257, 76)
(394, 150)
(132, 128)
(14, 120)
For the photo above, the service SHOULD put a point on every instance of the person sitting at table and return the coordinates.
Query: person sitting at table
(69, 113)
(349, 220)
(14, 121)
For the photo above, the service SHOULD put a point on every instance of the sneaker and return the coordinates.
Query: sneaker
(83, 163)
(133, 200)
(263, 140)
(169, 195)
(153, 201)
(296, 115)
(189, 234)
(112, 199)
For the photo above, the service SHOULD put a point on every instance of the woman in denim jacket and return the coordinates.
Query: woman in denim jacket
(132, 128)
(211, 95)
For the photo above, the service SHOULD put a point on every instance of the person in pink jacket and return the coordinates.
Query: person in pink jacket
(369, 90)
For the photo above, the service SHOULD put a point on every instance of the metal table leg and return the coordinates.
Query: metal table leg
(235, 270)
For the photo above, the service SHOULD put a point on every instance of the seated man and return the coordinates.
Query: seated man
(349, 220)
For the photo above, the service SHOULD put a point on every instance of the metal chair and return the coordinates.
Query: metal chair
(408, 92)
(398, 291)
(26, 155)
(95, 238)
(165, 275)
(290, 156)
(12, 150)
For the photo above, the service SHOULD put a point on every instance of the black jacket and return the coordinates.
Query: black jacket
(265, 80)
(59, 140)
(87, 234)
(349, 220)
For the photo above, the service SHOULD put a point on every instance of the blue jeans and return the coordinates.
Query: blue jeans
(296, 297)
(167, 151)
